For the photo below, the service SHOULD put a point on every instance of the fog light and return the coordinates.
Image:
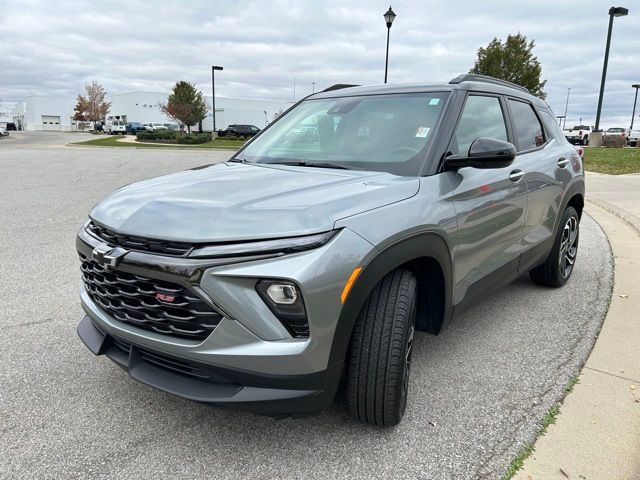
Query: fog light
(283, 294)
(284, 299)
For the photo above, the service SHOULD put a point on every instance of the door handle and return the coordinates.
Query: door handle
(563, 162)
(516, 175)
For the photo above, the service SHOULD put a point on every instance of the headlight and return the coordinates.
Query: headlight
(284, 299)
(260, 247)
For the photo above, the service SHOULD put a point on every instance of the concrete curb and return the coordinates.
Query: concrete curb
(597, 433)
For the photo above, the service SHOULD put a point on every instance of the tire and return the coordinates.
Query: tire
(585, 140)
(557, 269)
(379, 359)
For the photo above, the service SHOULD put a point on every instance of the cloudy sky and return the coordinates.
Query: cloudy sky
(54, 47)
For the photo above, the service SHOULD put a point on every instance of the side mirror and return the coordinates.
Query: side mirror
(485, 153)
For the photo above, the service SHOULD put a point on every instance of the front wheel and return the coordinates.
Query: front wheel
(379, 361)
(557, 269)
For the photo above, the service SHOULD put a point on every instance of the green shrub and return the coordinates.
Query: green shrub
(167, 136)
(194, 138)
(241, 137)
(613, 141)
(229, 137)
(156, 135)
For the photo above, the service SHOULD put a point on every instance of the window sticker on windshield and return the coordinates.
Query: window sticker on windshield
(434, 101)
(363, 132)
(422, 132)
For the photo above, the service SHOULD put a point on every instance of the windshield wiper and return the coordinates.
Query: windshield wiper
(238, 160)
(315, 164)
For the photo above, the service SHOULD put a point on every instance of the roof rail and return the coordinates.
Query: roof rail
(339, 86)
(472, 77)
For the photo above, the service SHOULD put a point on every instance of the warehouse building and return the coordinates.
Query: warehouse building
(56, 113)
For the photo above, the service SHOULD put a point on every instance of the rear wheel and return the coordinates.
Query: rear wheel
(585, 140)
(557, 269)
(379, 361)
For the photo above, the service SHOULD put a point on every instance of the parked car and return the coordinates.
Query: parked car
(616, 131)
(154, 126)
(633, 137)
(11, 126)
(240, 130)
(135, 127)
(579, 134)
(266, 282)
(174, 127)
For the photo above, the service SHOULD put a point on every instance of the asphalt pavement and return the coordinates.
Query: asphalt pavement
(477, 391)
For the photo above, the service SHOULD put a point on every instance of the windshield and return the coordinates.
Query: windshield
(616, 130)
(580, 127)
(378, 132)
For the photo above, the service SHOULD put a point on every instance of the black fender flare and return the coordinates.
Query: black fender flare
(425, 244)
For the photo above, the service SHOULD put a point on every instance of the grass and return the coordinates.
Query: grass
(573, 381)
(549, 419)
(614, 161)
(112, 141)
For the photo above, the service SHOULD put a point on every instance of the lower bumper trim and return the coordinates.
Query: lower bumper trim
(181, 378)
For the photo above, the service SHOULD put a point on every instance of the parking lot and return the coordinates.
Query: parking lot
(476, 393)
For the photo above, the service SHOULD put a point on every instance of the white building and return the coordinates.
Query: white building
(56, 113)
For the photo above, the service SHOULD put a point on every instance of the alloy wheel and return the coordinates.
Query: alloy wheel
(568, 247)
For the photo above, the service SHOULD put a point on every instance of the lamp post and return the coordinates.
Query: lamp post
(636, 86)
(613, 12)
(213, 94)
(566, 107)
(389, 17)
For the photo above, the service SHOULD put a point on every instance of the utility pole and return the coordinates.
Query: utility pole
(213, 94)
(566, 106)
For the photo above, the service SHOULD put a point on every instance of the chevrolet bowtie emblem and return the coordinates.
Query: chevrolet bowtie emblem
(108, 256)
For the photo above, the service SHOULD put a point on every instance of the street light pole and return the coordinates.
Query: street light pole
(566, 107)
(213, 94)
(613, 12)
(636, 86)
(388, 17)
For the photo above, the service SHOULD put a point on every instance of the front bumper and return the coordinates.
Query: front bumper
(249, 391)
(252, 362)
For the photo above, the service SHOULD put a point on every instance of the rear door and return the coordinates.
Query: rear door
(546, 161)
(490, 204)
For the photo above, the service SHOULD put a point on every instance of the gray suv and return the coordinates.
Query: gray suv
(306, 263)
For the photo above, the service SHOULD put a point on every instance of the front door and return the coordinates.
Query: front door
(490, 204)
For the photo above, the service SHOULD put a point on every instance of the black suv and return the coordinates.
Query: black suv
(240, 130)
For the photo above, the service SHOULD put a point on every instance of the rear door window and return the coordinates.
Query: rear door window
(528, 130)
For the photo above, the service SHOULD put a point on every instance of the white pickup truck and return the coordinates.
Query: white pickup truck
(634, 138)
(579, 134)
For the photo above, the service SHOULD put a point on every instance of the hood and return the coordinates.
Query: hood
(232, 202)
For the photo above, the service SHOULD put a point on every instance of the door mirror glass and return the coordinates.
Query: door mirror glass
(485, 153)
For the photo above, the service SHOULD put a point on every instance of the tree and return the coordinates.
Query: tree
(92, 107)
(513, 61)
(185, 105)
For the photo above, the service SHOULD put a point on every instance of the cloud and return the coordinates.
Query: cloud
(56, 47)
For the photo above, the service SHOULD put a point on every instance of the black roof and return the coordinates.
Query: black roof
(462, 82)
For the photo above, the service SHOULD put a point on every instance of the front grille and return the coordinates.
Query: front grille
(130, 242)
(157, 305)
